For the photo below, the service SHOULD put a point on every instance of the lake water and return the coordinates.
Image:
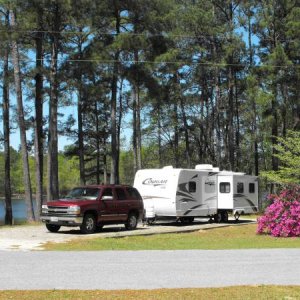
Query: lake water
(18, 207)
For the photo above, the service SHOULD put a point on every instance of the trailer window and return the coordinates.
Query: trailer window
(240, 187)
(251, 188)
(192, 187)
(225, 187)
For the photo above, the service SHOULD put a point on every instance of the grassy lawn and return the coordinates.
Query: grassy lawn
(232, 237)
(238, 292)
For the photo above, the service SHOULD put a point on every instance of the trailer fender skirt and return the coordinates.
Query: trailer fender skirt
(238, 211)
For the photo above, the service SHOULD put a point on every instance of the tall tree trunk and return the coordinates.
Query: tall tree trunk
(138, 118)
(237, 129)
(176, 136)
(159, 129)
(230, 116)
(120, 117)
(114, 176)
(80, 119)
(134, 134)
(53, 186)
(186, 135)
(21, 121)
(6, 134)
(136, 129)
(274, 132)
(254, 122)
(217, 107)
(38, 130)
(97, 144)
(80, 137)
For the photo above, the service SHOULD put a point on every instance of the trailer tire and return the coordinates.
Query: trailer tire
(224, 216)
(218, 217)
(150, 221)
(131, 222)
(236, 217)
(52, 227)
(88, 225)
(186, 220)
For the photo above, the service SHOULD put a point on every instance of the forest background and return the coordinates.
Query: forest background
(154, 83)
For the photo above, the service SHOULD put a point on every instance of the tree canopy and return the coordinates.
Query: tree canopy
(152, 83)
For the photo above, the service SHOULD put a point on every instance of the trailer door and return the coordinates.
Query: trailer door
(225, 192)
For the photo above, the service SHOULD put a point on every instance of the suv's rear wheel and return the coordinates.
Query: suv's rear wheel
(131, 222)
(52, 227)
(88, 225)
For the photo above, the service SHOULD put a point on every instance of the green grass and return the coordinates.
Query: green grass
(232, 237)
(230, 293)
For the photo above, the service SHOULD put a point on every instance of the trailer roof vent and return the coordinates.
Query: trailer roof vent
(204, 167)
(168, 167)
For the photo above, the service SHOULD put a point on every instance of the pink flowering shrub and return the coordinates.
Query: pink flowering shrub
(282, 217)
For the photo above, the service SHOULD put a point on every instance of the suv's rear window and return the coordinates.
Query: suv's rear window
(133, 193)
(120, 194)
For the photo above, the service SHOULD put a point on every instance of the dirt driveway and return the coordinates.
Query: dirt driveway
(33, 237)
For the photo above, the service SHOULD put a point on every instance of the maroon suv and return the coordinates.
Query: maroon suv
(91, 207)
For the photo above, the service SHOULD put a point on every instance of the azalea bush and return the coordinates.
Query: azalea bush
(282, 217)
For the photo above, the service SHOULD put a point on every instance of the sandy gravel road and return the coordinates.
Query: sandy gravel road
(26, 238)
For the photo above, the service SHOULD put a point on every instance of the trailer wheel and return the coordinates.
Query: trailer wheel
(224, 216)
(186, 220)
(150, 221)
(52, 227)
(218, 217)
(236, 217)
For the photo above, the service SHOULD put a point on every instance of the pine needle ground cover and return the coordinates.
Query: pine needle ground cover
(231, 237)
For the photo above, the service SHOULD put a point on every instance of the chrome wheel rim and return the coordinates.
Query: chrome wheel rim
(132, 221)
(89, 223)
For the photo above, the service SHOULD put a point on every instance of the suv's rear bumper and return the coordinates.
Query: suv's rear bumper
(62, 220)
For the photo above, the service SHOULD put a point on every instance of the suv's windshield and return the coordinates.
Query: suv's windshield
(83, 193)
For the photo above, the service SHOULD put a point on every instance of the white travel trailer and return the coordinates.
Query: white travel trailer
(178, 193)
(188, 193)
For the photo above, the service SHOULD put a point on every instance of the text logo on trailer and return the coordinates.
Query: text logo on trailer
(155, 182)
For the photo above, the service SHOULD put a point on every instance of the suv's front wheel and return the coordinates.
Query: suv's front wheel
(131, 222)
(52, 227)
(88, 225)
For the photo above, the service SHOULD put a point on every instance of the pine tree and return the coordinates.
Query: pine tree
(21, 117)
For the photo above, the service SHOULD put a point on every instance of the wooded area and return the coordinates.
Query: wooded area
(194, 81)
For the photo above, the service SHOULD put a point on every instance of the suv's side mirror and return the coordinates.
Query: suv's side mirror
(107, 198)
